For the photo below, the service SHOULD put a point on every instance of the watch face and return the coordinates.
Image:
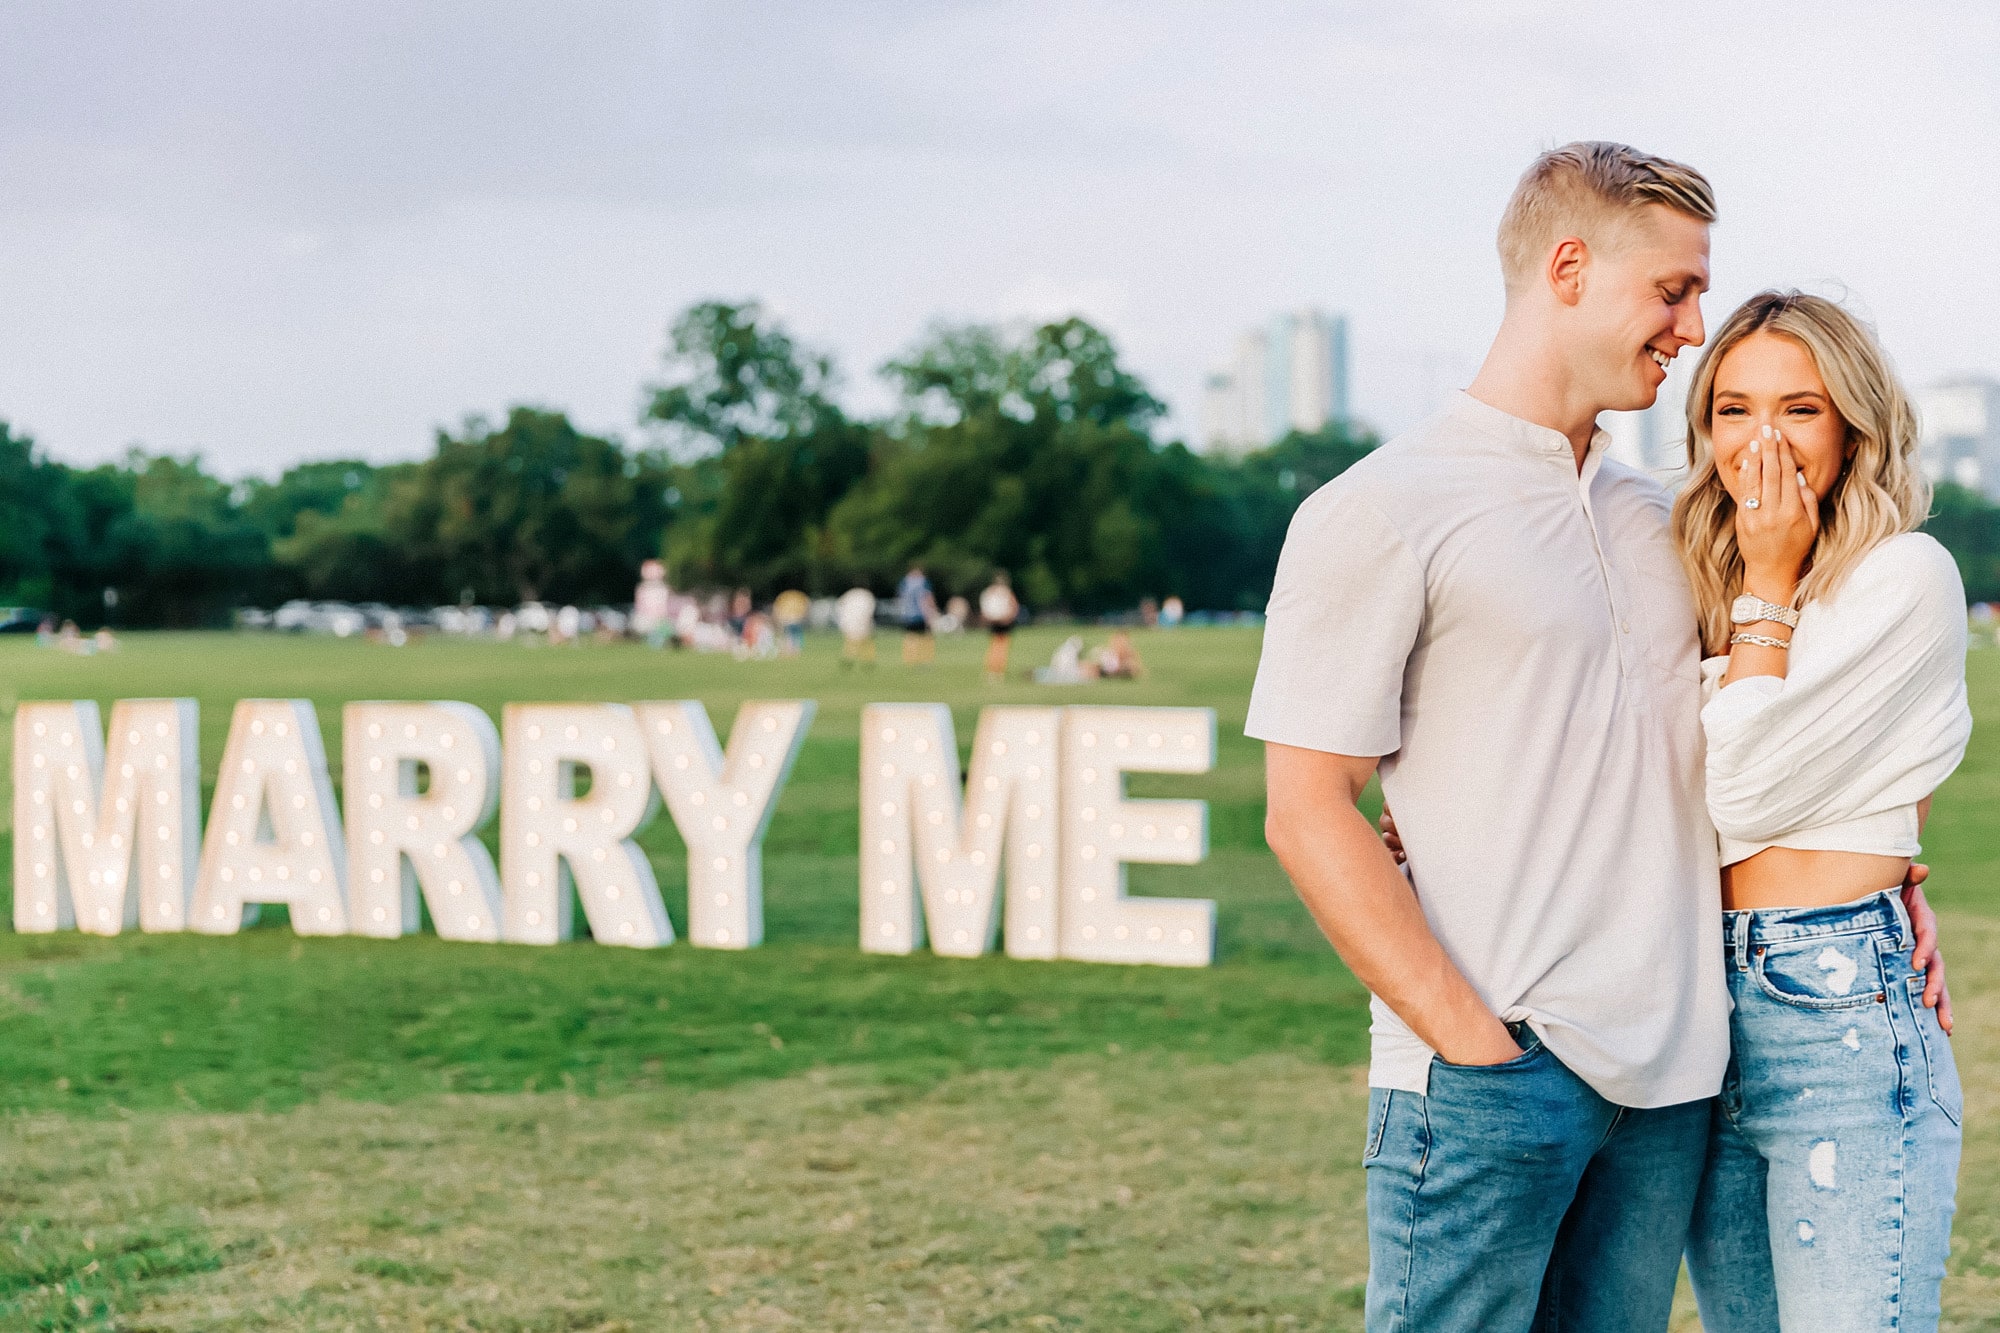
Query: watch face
(1744, 609)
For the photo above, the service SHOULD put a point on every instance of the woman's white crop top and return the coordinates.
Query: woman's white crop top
(1870, 718)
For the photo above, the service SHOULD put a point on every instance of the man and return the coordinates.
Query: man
(919, 608)
(1491, 612)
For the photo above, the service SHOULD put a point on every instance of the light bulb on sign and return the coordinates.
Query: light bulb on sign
(273, 829)
(545, 828)
(401, 842)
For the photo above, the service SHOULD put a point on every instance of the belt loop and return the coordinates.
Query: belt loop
(1909, 932)
(1739, 939)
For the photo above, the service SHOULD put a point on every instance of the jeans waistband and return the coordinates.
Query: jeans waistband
(1878, 911)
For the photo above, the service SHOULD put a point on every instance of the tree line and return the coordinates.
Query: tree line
(1029, 451)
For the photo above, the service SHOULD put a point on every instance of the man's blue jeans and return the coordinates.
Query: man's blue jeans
(1514, 1199)
(1834, 1162)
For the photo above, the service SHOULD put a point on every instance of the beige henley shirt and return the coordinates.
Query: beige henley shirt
(1517, 642)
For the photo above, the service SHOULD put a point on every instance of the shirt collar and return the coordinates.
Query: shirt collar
(1510, 429)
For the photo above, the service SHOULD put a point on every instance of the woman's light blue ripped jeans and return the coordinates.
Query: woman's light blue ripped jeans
(1833, 1152)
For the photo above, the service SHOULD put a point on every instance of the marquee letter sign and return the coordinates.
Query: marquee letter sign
(1102, 830)
(401, 842)
(1028, 851)
(547, 830)
(911, 814)
(103, 842)
(722, 805)
(273, 831)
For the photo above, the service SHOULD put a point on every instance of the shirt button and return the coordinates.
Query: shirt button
(1624, 627)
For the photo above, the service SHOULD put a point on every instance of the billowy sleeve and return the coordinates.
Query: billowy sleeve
(1872, 719)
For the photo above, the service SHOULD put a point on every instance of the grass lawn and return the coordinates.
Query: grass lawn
(270, 1132)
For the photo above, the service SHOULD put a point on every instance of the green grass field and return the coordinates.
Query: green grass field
(274, 1132)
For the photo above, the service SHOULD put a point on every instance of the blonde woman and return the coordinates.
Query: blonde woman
(1834, 706)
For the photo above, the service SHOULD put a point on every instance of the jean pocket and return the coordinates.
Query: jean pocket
(1531, 1050)
(1940, 1068)
(1378, 1120)
(1844, 972)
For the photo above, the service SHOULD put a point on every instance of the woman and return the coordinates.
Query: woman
(999, 608)
(1835, 705)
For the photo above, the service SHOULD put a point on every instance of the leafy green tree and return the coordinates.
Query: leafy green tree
(769, 452)
(34, 517)
(1030, 451)
(1071, 374)
(1061, 372)
(343, 551)
(732, 375)
(960, 372)
(1266, 487)
(759, 511)
(533, 510)
(106, 543)
(1968, 525)
(1030, 454)
(321, 488)
(201, 555)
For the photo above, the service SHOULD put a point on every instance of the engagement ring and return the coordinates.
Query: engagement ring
(1752, 502)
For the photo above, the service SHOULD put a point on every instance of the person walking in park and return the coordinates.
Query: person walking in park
(789, 612)
(1493, 614)
(854, 616)
(1000, 609)
(919, 608)
(652, 605)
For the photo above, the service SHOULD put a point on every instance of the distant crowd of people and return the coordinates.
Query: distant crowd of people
(716, 622)
(69, 639)
(736, 624)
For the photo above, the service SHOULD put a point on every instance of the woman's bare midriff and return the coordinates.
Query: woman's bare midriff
(1789, 877)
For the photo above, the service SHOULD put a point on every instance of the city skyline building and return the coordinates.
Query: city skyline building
(1289, 375)
(1958, 432)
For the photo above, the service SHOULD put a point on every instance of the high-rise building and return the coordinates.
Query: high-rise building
(1958, 433)
(1289, 376)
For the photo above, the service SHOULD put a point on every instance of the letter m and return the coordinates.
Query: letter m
(103, 841)
(915, 813)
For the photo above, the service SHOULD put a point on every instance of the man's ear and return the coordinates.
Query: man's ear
(1567, 261)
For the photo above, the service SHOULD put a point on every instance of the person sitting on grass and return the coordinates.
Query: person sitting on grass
(1117, 659)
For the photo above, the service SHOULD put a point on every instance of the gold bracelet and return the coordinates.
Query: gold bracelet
(1761, 640)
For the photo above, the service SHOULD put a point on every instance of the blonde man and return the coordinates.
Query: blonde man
(1490, 612)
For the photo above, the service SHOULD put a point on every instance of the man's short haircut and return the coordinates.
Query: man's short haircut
(1576, 189)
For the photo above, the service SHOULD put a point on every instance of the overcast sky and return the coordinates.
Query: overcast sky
(278, 232)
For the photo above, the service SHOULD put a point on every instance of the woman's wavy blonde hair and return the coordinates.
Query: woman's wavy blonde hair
(1880, 491)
